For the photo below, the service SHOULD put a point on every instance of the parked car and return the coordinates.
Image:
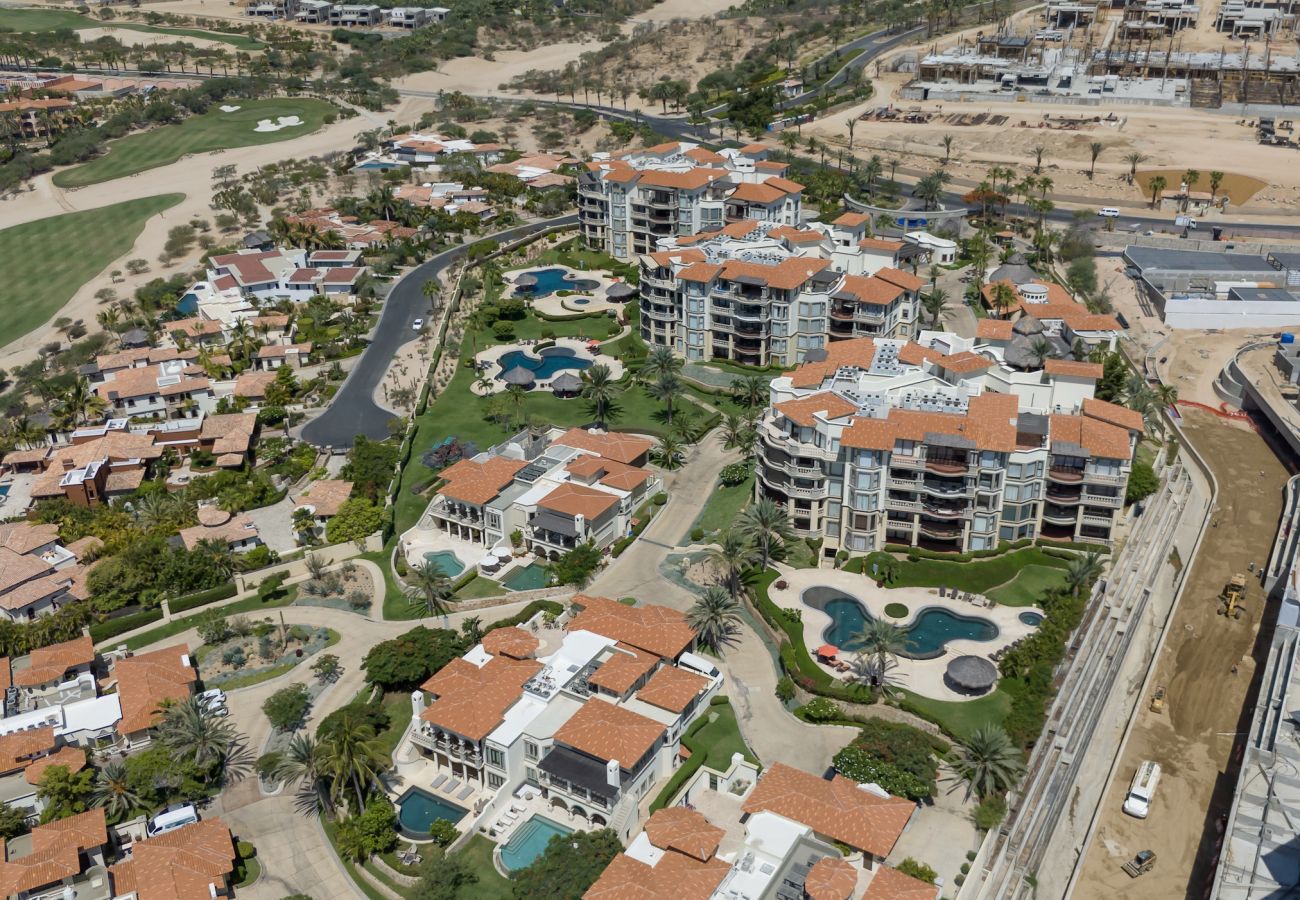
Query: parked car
(172, 818)
(417, 324)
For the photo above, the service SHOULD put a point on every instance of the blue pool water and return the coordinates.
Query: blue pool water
(1031, 618)
(926, 637)
(529, 578)
(447, 561)
(552, 360)
(4, 490)
(526, 844)
(417, 810)
(188, 306)
(551, 280)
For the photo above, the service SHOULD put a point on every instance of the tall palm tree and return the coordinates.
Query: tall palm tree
(352, 757)
(113, 792)
(668, 452)
(1216, 180)
(879, 644)
(79, 403)
(989, 763)
(599, 391)
(1042, 350)
(1082, 571)
(733, 554)
(715, 618)
(1003, 296)
(659, 362)
(1039, 152)
(768, 526)
(738, 434)
(1155, 185)
(750, 391)
(302, 762)
(1134, 160)
(665, 388)
(428, 587)
(934, 302)
(190, 730)
(1094, 149)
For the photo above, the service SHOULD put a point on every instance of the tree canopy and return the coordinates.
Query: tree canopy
(403, 663)
(570, 865)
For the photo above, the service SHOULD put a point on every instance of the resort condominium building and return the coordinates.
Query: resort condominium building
(764, 294)
(941, 443)
(627, 204)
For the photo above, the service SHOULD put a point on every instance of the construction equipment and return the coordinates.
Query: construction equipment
(1233, 594)
(1158, 700)
(1144, 862)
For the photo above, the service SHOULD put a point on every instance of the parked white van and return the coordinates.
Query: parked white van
(171, 819)
(1108, 212)
(1137, 802)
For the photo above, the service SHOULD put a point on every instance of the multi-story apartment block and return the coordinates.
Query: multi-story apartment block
(765, 294)
(944, 444)
(627, 204)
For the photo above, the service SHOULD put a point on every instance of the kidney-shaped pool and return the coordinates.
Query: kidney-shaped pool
(926, 635)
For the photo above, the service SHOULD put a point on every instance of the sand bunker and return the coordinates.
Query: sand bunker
(282, 122)
(229, 108)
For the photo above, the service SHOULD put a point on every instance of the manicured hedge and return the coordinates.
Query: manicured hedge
(203, 598)
(532, 609)
(1062, 548)
(102, 631)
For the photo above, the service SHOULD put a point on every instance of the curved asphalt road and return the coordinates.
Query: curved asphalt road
(354, 410)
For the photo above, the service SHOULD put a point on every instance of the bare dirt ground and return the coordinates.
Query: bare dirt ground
(129, 38)
(1193, 738)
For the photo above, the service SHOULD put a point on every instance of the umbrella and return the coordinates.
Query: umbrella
(503, 553)
(971, 674)
(526, 280)
(615, 291)
(828, 651)
(488, 562)
(518, 375)
(566, 383)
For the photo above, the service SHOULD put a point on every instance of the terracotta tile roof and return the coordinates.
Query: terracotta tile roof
(17, 748)
(81, 547)
(25, 457)
(624, 448)
(123, 480)
(275, 351)
(890, 884)
(1097, 437)
(869, 434)
(989, 424)
(1114, 414)
(26, 103)
(1071, 367)
(194, 327)
(660, 630)
(471, 701)
(26, 579)
(994, 329)
(610, 732)
(890, 247)
(675, 877)
(792, 235)
(180, 865)
(688, 181)
(672, 688)
(804, 410)
(229, 432)
(622, 670)
(905, 280)
(685, 831)
(701, 272)
(477, 483)
(231, 531)
(785, 184)
(578, 500)
(966, 362)
(851, 219)
(873, 291)
(511, 641)
(71, 758)
(118, 445)
(666, 258)
(55, 852)
(857, 352)
(839, 808)
(786, 275)
(704, 156)
(145, 382)
(22, 537)
(913, 354)
(608, 472)
(253, 385)
(831, 878)
(325, 496)
(145, 680)
(771, 165)
(48, 664)
(6, 674)
(753, 149)
(765, 193)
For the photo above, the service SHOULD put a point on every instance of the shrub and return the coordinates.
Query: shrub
(287, 707)
(734, 474)
(821, 709)
(503, 330)
(443, 832)
(862, 767)
(697, 534)
(919, 871)
(785, 689)
(895, 610)
(989, 813)
(234, 657)
(1142, 482)
(246, 850)
(102, 631)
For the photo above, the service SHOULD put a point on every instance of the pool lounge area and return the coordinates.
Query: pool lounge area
(417, 809)
(528, 842)
(835, 605)
(544, 282)
(446, 561)
(524, 364)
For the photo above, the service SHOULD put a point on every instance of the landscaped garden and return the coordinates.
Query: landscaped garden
(34, 290)
(712, 740)
(238, 651)
(976, 576)
(36, 20)
(213, 130)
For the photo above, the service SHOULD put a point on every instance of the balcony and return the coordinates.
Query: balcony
(904, 484)
(1065, 475)
(458, 514)
(1059, 514)
(1063, 497)
(842, 315)
(945, 510)
(944, 488)
(656, 312)
(1101, 500)
(941, 530)
(946, 465)
(750, 313)
(913, 505)
(906, 462)
(750, 330)
(812, 493)
(1100, 478)
(1090, 517)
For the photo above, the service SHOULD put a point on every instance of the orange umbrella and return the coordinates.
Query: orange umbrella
(828, 651)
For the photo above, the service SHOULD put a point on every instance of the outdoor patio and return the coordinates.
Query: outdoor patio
(925, 676)
(610, 293)
(495, 378)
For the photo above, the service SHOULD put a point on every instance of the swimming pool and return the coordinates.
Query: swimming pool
(551, 280)
(446, 561)
(529, 578)
(188, 305)
(926, 636)
(546, 364)
(1031, 618)
(417, 809)
(528, 843)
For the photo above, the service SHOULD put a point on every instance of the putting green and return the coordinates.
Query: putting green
(34, 286)
(55, 19)
(214, 130)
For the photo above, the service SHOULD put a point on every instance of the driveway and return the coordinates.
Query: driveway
(354, 410)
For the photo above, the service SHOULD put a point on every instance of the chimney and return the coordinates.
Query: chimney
(612, 773)
(417, 704)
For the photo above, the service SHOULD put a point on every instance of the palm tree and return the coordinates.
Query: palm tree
(715, 618)
(665, 388)
(428, 587)
(113, 792)
(733, 554)
(598, 390)
(750, 391)
(935, 302)
(1042, 350)
(1003, 297)
(352, 757)
(879, 645)
(989, 763)
(1082, 571)
(1039, 151)
(1155, 185)
(767, 525)
(1094, 149)
(1166, 394)
(79, 403)
(668, 452)
(1134, 160)
(659, 362)
(219, 554)
(302, 763)
(738, 434)
(1216, 179)
(190, 730)
(947, 147)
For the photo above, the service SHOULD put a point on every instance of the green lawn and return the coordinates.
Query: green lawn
(398, 707)
(477, 854)
(1027, 588)
(480, 587)
(712, 740)
(724, 505)
(55, 19)
(214, 130)
(33, 289)
(977, 575)
(959, 719)
(251, 604)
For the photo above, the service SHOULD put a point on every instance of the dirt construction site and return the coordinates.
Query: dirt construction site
(1207, 667)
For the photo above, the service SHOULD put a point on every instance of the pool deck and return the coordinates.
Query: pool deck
(925, 676)
(551, 305)
(419, 540)
(488, 362)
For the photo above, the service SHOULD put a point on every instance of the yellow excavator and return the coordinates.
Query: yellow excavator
(1234, 592)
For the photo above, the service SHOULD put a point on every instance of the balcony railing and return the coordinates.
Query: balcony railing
(940, 529)
(1063, 516)
(946, 465)
(906, 462)
(945, 511)
(1100, 500)
(894, 503)
(1064, 474)
(1063, 497)
(1100, 478)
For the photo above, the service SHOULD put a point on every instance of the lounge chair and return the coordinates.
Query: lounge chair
(439, 780)
(451, 788)
(943, 591)
(464, 794)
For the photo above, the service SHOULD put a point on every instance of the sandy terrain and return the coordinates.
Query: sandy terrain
(129, 38)
(1193, 738)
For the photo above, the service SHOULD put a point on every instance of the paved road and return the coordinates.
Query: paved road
(354, 410)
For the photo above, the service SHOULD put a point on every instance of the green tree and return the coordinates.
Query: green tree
(114, 793)
(669, 453)
(1155, 185)
(1142, 482)
(768, 526)
(372, 832)
(919, 871)
(327, 667)
(665, 388)
(428, 587)
(989, 762)
(63, 793)
(715, 618)
(599, 391)
(1094, 150)
(750, 391)
(403, 663)
(733, 554)
(862, 767)
(568, 866)
(13, 821)
(356, 519)
(370, 466)
(191, 731)
(287, 708)
(444, 877)
(302, 763)
(577, 566)
(879, 644)
(1082, 572)
(934, 302)
(352, 757)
